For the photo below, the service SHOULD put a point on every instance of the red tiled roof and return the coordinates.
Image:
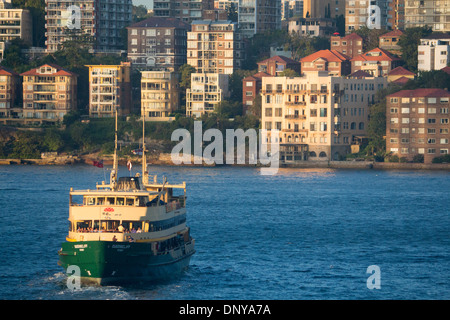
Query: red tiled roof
(7, 72)
(401, 80)
(361, 74)
(394, 33)
(384, 55)
(279, 59)
(257, 76)
(352, 36)
(59, 71)
(401, 71)
(421, 93)
(446, 69)
(329, 55)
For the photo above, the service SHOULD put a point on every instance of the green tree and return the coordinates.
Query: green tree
(235, 83)
(409, 43)
(370, 37)
(289, 73)
(229, 109)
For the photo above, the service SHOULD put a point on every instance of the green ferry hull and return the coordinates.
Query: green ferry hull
(107, 262)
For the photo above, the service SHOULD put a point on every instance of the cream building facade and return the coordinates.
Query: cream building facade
(206, 92)
(318, 116)
(160, 94)
(109, 87)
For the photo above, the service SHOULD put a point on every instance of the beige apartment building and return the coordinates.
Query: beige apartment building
(432, 13)
(318, 116)
(160, 94)
(109, 88)
(14, 24)
(417, 123)
(9, 81)
(206, 92)
(214, 47)
(49, 93)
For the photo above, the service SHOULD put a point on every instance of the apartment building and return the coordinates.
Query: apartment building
(378, 62)
(251, 87)
(188, 10)
(350, 45)
(102, 20)
(278, 64)
(49, 93)
(109, 88)
(291, 8)
(9, 81)
(214, 47)
(432, 13)
(336, 63)
(160, 94)
(417, 123)
(371, 13)
(15, 23)
(400, 75)
(206, 92)
(323, 8)
(434, 52)
(318, 116)
(158, 43)
(258, 16)
(396, 14)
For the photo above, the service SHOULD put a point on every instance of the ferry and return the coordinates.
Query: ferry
(132, 229)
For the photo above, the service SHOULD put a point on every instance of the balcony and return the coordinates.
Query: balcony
(295, 116)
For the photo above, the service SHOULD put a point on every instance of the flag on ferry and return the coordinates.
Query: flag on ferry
(98, 163)
(129, 165)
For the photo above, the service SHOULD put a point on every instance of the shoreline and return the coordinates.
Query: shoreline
(164, 160)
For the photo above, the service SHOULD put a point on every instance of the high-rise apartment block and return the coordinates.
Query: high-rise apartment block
(323, 8)
(188, 10)
(417, 123)
(214, 47)
(102, 20)
(49, 93)
(370, 13)
(157, 43)
(109, 89)
(160, 94)
(434, 52)
(14, 24)
(396, 14)
(258, 16)
(318, 116)
(432, 13)
(9, 81)
(206, 92)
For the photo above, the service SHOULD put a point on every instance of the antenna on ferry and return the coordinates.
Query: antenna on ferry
(144, 158)
(114, 171)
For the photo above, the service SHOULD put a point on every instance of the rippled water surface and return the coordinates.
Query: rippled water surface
(301, 234)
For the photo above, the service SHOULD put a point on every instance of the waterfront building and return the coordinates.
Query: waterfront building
(319, 116)
(432, 13)
(206, 92)
(336, 63)
(49, 93)
(9, 81)
(417, 124)
(157, 43)
(109, 88)
(101, 21)
(214, 47)
(160, 94)
(378, 62)
(312, 27)
(396, 14)
(350, 45)
(15, 23)
(258, 16)
(433, 52)
(278, 64)
(251, 87)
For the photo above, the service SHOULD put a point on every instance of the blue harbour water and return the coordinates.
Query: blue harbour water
(303, 234)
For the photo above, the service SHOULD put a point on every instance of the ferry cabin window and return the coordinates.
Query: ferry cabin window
(100, 201)
(129, 226)
(110, 200)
